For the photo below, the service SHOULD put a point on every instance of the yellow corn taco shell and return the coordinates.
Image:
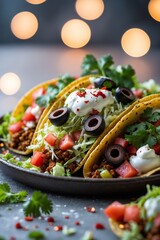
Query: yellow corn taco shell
(116, 227)
(117, 127)
(27, 100)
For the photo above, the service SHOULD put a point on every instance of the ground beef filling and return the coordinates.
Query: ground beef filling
(63, 157)
(22, 139)
(95, 173)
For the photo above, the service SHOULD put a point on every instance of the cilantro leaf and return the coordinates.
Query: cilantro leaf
(38, 204)
(6, 196)
(104, 63)
(141, 133)
(90, 65)
(53, 90)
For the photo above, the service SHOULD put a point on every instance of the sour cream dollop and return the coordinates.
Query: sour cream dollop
(83, 102)
(152, 206)
(145, 159)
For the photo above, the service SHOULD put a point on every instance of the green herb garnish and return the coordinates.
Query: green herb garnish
(36, 235)
(38, 204)
(4, 126)
(124, 76)
(6, 196)
(53, 90)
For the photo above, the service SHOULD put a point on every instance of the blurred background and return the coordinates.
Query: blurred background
(42, 39)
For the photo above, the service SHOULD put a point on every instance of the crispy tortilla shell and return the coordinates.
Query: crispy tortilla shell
(117, 127)
(115, 227)
(27, 100)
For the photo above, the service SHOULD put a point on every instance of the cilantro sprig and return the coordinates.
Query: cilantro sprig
(37, 204)
(6, 196)
(143, 132)
(124, 76)
(53, 90)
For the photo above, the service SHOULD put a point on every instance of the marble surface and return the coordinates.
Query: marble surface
(34, 64)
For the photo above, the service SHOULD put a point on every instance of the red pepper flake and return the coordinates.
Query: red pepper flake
(50, 220)
(99, 93)
(58, 228)
(66, 217)
(87, 101)
(18, 225)
(77, 223)
(99, 226)
(77, 109)
(94, 111)
(81, 93)
(28, 218)
(91, 209)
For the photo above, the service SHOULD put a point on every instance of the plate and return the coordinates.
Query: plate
(77, 185)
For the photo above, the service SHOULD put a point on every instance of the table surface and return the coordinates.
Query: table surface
(34, 64)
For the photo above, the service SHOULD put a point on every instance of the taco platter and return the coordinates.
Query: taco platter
(139, 219)
(131, 148)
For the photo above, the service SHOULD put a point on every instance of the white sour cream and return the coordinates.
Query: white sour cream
(36, 111)
(30, 124)
(145, 159)
(152, 206)
(83, 104)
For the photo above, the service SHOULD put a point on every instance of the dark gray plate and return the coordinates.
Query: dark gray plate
(78, 185)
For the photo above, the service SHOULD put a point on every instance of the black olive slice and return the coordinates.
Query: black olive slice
(115, 154)
(124, 95)
(59, 116)
(94, 125)
(104, 82)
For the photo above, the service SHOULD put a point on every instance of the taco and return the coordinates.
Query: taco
(139, 219)
(76, 124)
(131, 148)
(30, 111)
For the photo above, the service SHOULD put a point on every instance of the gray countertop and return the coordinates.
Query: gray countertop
(34, 64)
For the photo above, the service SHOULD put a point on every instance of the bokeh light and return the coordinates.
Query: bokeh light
(24, 25)
(75, 33)
(10, 83)
(36, 1)
(154, 9)
(135, 42)
(89, 9)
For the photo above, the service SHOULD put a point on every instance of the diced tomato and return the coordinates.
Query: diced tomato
(156, 148)
(28, 116)
(50, 139)
(121, 141)
(132, 213)
(156, 124)
(39, 92)
(37, 159)
(76, 135)
(66, 142)
(138, 93)
(131, 150)
(90, 86)
(115, 211)
(125, 170)
(15, 127)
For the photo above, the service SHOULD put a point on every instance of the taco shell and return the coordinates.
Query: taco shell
(117, 127)
(27, 100)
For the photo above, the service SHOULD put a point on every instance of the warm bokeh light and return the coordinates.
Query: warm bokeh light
(75, 33)
(89, 9)
(154, 9)
(36, 1)
(135, 42)
(24, 25)
(10, 83)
